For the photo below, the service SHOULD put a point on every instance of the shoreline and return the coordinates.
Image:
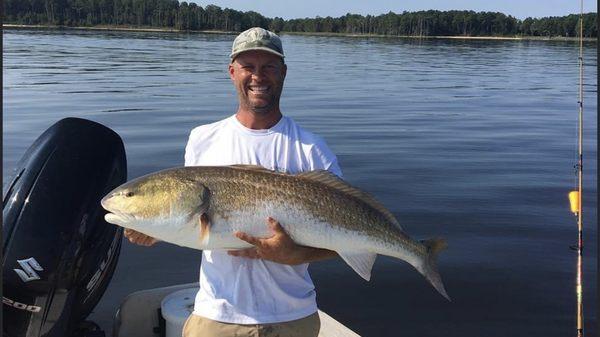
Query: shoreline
(450, 37)
(117, 28)
(326, 34)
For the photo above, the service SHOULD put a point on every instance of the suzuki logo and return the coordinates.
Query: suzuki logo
(29, 266)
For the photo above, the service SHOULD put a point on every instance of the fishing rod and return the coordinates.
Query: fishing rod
(575, 197)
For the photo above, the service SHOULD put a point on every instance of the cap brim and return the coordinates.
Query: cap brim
(269, 50)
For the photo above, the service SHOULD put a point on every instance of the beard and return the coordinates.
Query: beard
(269, 104)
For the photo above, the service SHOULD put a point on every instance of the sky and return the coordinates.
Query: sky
(311, 8)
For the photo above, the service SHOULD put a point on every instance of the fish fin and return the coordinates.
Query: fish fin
(429, 269)
(202, 200)
(327, 178)
(361, 262)
(204, 228)
(250, 167)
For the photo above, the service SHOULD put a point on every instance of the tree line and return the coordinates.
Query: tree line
(190, 16)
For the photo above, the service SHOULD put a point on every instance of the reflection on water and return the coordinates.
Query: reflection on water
(470, 140)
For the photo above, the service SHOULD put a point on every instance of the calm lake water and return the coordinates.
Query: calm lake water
(474, 141)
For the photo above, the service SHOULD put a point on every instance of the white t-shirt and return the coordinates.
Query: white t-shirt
(254, 291)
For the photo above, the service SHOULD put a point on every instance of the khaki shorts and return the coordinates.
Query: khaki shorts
(198, 326)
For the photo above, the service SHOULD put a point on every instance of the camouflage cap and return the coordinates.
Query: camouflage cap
(257, 38)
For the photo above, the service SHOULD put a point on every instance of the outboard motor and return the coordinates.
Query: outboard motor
(59, 253)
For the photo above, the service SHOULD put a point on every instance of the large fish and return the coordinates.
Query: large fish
(201, 207)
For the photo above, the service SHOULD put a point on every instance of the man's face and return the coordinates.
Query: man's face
(258, 78)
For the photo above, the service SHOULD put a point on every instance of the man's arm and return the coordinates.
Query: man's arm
(280, 248)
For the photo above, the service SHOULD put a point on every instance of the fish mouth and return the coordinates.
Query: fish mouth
(105, 201)
(116, 218)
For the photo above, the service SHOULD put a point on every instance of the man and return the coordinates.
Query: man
(264, 290)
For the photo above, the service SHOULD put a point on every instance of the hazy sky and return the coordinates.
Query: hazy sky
(311, 8)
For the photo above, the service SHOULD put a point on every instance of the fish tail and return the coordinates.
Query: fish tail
(429, 268)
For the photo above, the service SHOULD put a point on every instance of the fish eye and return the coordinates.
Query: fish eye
(129, 194)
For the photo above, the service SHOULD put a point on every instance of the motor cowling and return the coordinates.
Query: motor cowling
(58, 252)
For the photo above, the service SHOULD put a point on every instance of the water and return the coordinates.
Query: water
(470, 140)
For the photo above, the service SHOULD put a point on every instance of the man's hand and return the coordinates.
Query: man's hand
(279, 248)
(139, 238)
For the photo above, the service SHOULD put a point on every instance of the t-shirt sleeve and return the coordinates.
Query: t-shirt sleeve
(324, 158)
(334, 167)
(189, 157)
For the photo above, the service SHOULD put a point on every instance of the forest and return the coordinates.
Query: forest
(172, 14)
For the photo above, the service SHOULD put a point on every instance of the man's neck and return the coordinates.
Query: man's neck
(258, 121)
